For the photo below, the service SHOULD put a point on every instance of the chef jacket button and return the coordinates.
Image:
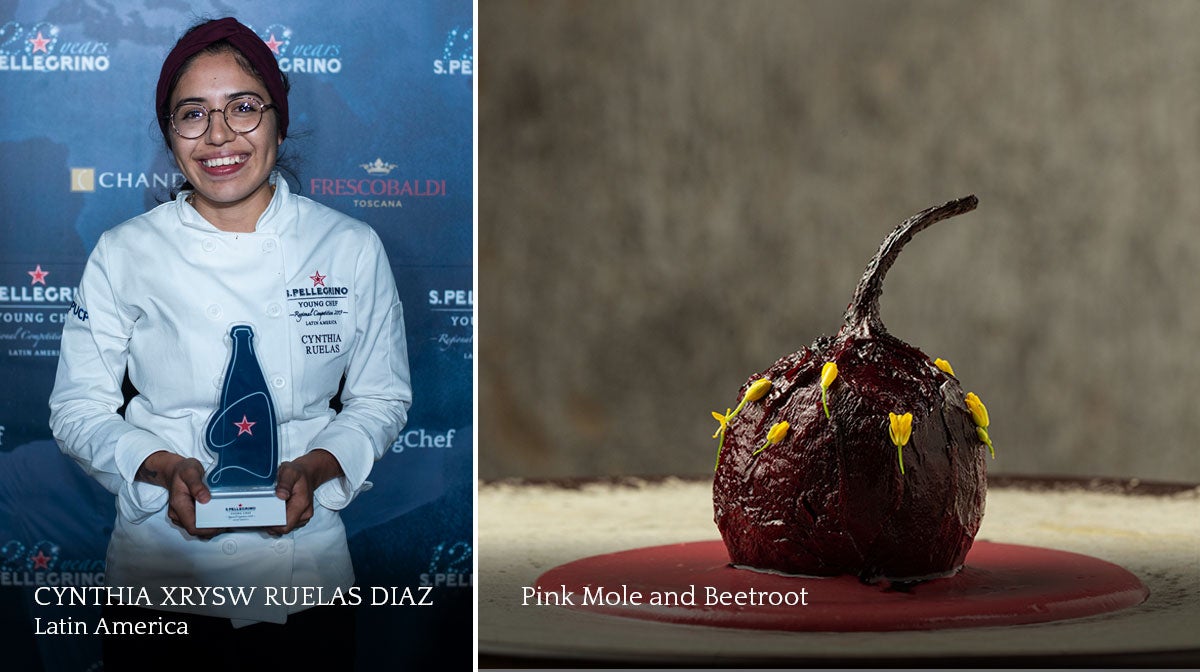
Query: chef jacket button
(278, 381)
(282, 546)
(268, 246)
(213, 311)
(209, 245)
(274, 310)
(230, 547)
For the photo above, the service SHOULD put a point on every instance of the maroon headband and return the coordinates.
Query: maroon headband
(245, 41)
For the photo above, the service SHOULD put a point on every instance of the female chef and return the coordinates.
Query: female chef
(157, 299)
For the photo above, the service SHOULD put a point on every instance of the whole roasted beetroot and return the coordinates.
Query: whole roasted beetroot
(858, 455)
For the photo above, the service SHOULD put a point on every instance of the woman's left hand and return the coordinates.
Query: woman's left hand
(296, 482)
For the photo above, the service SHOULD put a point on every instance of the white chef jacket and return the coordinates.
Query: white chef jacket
(159, 295)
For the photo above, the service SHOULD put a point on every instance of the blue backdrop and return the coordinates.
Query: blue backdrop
(382, 130)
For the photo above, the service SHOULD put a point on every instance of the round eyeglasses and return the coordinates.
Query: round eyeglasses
(242, 115)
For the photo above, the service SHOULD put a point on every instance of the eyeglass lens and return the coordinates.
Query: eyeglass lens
(242, 115)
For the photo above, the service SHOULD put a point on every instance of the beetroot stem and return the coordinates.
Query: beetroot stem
(862, 315)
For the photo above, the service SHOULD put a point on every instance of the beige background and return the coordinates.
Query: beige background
(674, 194)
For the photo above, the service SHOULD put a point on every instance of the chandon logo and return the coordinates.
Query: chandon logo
(88, 179)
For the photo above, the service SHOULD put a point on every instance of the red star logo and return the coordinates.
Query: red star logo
(244, 426)
(38, 275)
(39, 43)
(274, 44)
(41, 561)
(318, 279)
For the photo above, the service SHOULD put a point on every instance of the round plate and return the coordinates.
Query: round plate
(526, 529)
(694, 584)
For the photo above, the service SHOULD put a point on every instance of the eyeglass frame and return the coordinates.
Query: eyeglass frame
(208, 117)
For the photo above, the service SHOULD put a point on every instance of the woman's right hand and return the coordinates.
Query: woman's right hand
(183, 477)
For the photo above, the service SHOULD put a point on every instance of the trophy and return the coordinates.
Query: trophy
(243, 437)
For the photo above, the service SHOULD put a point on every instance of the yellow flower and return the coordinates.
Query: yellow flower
(900, 430)
(944, 365)
(723, 419)
(828, 374)
(978, 411)
(979, 415)
(719, 435)
(778, 431)
(775, 435)
(758, 389)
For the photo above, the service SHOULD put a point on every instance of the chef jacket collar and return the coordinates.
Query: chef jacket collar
(269, 222)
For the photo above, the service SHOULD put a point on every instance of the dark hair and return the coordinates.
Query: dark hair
(251, 47)
(218, 47)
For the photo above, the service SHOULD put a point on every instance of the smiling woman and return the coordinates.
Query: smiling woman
(191, 301)
(227, 162)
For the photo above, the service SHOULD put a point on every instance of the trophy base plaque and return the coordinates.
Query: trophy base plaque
(242, 508)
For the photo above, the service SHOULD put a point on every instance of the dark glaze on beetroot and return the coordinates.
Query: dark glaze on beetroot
(829, 498)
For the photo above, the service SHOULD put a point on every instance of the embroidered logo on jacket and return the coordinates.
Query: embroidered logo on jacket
(319, 310)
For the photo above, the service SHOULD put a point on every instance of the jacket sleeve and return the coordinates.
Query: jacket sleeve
(377, 392)
(87, 393)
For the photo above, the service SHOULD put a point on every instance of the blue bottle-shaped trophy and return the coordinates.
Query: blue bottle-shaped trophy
(243, 437)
